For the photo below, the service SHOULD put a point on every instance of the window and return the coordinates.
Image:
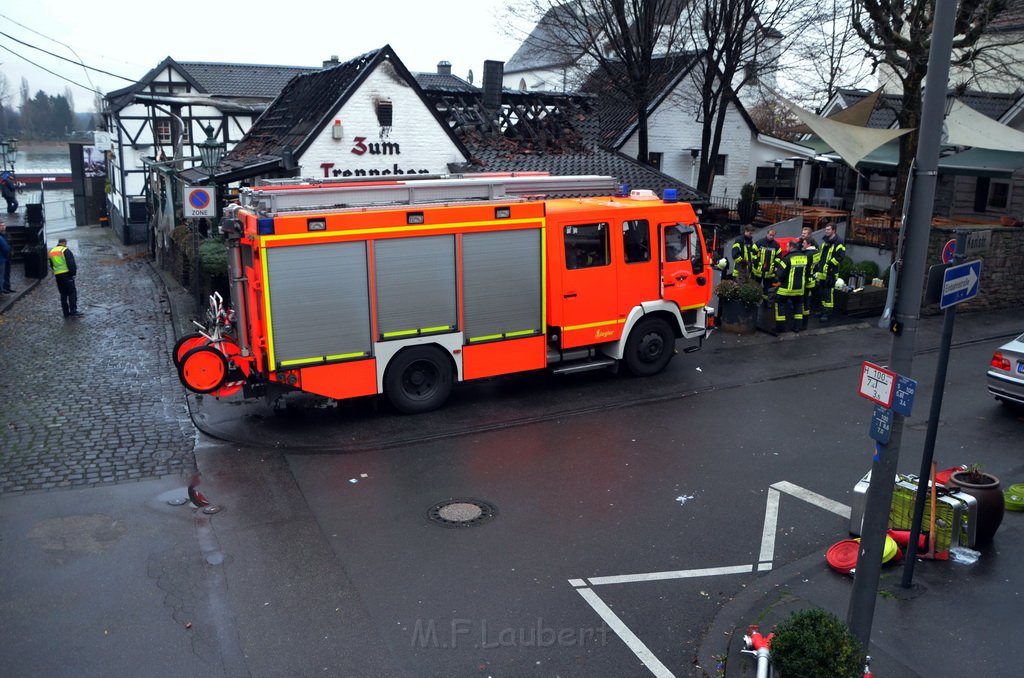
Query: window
(677, 242)
(163, 131)
(636, 241)
(654, 160)
(999, 195)
(720, 164)
(586, 245)
(166, 130)
(991, 194)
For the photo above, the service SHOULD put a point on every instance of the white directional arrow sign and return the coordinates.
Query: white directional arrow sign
(960, 283)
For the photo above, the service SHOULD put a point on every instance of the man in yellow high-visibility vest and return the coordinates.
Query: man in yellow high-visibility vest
(62, 263)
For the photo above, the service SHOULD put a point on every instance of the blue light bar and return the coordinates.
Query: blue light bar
(671, 195)
(265, 226)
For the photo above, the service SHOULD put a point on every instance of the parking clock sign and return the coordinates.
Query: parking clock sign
(877, 384)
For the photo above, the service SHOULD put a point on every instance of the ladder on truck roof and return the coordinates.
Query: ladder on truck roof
(306, 196)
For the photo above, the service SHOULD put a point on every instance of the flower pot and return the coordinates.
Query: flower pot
(736, 315)
(990, 500)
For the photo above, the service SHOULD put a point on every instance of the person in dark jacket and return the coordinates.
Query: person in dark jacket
(62, 263)
(9, 188)
(5, 261)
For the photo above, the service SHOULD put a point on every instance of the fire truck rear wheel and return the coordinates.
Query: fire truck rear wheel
(418, 379)
(650, 347)
(185, 344)
(203, 369)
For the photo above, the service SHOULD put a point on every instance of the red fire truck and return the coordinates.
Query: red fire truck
(404, 287)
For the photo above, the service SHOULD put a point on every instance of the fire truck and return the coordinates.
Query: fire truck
(405, 287)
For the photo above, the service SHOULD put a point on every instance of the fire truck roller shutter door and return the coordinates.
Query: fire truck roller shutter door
(501, 281)
(415, 283)
(319, 302)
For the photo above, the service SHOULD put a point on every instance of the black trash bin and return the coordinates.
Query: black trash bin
(36, 264)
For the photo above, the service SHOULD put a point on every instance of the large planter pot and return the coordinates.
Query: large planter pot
(737, 316)
(990, 502)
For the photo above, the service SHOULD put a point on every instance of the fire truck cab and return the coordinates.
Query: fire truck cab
(405, 287)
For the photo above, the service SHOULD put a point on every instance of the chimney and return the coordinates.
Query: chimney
(444, 68)
(494, 72)
(332, 62)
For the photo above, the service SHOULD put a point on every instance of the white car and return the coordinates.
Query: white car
(1006, 372)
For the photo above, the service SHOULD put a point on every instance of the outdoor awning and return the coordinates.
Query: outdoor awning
(851, 142)
(965, 126)
(977, 162)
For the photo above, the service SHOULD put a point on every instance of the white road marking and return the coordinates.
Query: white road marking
(814, 498)
(764, 564)
(673, 574)
(627, 636)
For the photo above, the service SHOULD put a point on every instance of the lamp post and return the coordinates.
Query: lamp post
(775, 179)
(9, 150)
(210, 152)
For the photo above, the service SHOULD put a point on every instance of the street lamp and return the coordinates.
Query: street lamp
(775, 179)
(210, 152)
(9, 150)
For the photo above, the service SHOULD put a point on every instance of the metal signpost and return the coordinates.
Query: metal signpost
(960, 283)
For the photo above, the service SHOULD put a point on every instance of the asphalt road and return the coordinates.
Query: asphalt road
(659, 504)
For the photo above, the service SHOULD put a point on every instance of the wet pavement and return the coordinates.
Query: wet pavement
(101, 558)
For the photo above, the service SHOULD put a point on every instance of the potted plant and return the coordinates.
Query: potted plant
(738, 301)
(985, 488)
(811, 643)
(746, 208)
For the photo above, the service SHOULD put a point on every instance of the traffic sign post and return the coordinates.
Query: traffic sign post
(200, 201)
(960, 283)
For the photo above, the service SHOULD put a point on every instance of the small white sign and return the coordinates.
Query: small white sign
(876, 384)
(200, 201)
(101, 140)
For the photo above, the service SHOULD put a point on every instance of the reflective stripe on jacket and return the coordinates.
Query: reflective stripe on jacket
(793, 269)
(57, 261)
(767, 256)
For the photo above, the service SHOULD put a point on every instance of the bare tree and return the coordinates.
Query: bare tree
(618, 38)
(899, 36)
(742, 40)
(828, 56)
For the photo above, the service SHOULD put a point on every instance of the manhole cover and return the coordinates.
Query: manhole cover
(461, 512)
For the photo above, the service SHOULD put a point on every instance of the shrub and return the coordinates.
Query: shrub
(868, 269)
(815, 643)
(747, 292)
(213, 257)
(748, 193)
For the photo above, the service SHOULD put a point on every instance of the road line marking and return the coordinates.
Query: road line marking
(673, 574)
(814, 498)
(627, 636)
(577, 583)
(771, 522)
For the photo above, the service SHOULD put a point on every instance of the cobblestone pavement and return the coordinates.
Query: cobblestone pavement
(92, 400)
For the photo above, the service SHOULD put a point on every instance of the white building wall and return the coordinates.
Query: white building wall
(673, 130)
(414, 144)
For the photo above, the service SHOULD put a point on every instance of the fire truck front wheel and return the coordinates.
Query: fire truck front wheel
(418, 379)
(650, 347)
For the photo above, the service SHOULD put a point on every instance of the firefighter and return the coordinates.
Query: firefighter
(767, 257)
(833, 251)
(792, 271)
(744, 251)
(810, 247)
